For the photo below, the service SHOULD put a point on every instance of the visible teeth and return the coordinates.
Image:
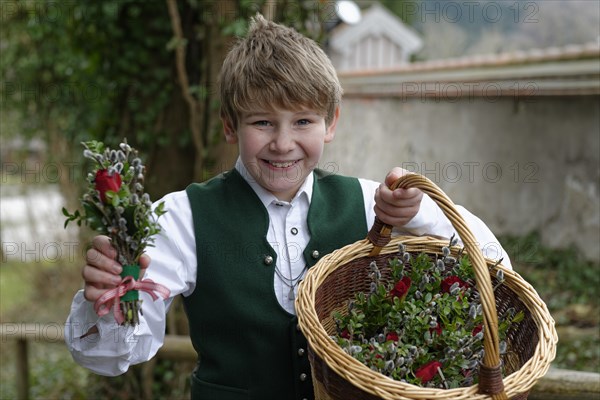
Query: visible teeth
(282, 164)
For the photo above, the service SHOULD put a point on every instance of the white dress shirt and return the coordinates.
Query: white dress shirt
(174, 264)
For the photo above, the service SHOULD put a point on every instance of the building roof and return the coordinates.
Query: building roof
(573, 69)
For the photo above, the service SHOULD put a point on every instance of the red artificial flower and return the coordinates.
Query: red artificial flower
(345, 334)
(437, 329)
(451, 280)
(401, 288)
(428, 371)
(105, 182)
(392, 336)
(477, 329)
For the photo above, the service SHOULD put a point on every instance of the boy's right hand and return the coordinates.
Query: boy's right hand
(101, 272)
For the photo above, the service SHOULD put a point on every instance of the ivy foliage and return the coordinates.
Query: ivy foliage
(90, 67)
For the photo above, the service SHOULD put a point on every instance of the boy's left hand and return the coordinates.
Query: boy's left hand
(396, 207)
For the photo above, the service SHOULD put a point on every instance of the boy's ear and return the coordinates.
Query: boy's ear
(330, 134)
(229, 131)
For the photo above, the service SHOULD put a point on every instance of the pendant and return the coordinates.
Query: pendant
(291, 295)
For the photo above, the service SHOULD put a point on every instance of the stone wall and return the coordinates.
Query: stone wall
(520, 164)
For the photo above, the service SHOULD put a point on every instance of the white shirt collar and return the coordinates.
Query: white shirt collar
(268, 198)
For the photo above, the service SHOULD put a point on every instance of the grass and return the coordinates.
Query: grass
(15, 286)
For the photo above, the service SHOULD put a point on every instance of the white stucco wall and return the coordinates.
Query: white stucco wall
(519, 165)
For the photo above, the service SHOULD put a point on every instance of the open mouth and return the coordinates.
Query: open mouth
(281, 164)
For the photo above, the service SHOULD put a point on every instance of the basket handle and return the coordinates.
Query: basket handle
(490, 374)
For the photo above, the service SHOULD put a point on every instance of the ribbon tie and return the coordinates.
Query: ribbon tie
(102, 305)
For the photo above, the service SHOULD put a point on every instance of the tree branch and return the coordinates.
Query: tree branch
(193, 104)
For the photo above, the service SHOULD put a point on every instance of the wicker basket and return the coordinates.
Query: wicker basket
(338, 276)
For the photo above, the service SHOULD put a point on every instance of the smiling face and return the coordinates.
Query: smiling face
(279, 148)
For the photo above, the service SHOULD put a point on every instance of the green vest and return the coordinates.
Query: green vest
(248, 346)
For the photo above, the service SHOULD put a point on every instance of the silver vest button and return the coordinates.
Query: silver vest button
(300, 352)
(303, 377)
(268, 260)
(315, 254)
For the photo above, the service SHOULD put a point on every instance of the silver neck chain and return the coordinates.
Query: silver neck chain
(290, 282)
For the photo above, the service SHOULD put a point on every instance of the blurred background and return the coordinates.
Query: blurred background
(495, 101)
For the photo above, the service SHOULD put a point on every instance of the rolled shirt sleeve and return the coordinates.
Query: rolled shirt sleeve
(114, 348)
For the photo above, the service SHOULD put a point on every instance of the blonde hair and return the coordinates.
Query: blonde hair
(276, 67)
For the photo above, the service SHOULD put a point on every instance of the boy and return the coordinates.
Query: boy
(237, 246)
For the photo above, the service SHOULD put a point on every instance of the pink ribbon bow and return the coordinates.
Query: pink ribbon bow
(102, 305)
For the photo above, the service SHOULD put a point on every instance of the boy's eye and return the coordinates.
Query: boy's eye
(303, 121)
(261, 123)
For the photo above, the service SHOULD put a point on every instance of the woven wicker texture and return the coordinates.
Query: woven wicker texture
(336, 278)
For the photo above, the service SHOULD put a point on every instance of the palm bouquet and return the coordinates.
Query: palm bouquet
(116, 205)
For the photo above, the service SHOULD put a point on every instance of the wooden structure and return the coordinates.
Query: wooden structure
(380, 40)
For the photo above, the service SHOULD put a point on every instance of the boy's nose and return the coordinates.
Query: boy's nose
(282, 142)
